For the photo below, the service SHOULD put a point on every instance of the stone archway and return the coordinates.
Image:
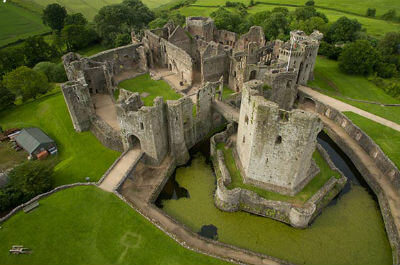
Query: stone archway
(253, 75)
(309, 104)
(134, 142)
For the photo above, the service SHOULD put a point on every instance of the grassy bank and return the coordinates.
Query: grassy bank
(387, 138)
(350, 231)
(80, 155)
(331, 81)
(309, 190)
(102, 230)
(144, 84)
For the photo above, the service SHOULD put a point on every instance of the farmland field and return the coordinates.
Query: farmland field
(17, 22)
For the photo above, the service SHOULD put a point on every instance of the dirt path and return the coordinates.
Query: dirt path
(120, 169)
(105, 109)
(392, 196)
(341, 106)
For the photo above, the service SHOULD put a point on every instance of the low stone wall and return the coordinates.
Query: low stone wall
(109, 137)
(377, 156)
(43, 195)
(384, 163)
(249, 201)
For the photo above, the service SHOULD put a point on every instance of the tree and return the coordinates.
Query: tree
(358, 58)
(54, 16)
(310, 3)
(371, 12)
(275, 25)
(390, 44)
(329, 50)
(25, 182)
(75, 19)
(54, 72)
(76, 37)
(165, 17)
(251, 3)
(121, 19)
(309, 25)
(343, 30)
(307, 12)
(26, 82)
(225, 19)
(386, 70)
(37, 50)
(6, 98)
(11, 58)
(259, 17)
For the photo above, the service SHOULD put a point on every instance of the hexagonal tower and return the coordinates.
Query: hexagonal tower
(275, 146)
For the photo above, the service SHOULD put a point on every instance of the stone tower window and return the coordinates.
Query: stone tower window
(278, 139)
(246, 119)
(244, 140)
(141, 126)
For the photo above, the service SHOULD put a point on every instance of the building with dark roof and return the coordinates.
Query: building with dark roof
(34, 141)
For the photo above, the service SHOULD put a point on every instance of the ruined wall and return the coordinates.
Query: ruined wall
(269, 137)
(280, 87)
(109, 137)
(201, 26)
(214, 63)
(179, 62)
(255, 34)
(147, 124)
(79, 103)
(225, 37)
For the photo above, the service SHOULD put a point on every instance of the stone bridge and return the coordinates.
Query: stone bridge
(230, 113)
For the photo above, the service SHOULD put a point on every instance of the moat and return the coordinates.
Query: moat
(349, 231)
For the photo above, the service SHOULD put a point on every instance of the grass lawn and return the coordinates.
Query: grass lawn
(17, 23)
(85, 225)
(315, 184)
(144, 83)
(80, 155)
(9, 157)
(387, 138)
(331, 81)
(227, 92)
(349, 231)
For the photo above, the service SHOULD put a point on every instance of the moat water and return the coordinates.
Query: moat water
(349, 231)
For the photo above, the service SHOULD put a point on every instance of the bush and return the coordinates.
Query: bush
(390, 86)
(343, 30)
(390, 15)
(371, 12)
(6, 98)
(386, 70)
(54, 72)
(329, 50)
(25, 182)
(358, 58)
(26, 82)
(310, 3)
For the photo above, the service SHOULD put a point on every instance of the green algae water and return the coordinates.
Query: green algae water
(350, 231)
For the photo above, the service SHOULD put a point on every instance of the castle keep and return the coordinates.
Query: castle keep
(273, 141)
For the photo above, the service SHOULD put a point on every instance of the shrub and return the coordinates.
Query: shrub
(390, 15)
(6, 98)
(310, 3)
(371, 12)
(54, 72)
(386, 70)
(329, 50)
(358, 58)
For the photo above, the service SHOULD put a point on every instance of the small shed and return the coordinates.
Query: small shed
(34, 141)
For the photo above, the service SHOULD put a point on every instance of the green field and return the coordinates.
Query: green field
(330, 81)
(85, 225)
(315, 184)
(349, 231)
(387, 138)
(80, 155)
(357, 7)
(144, 84)
(17, 23)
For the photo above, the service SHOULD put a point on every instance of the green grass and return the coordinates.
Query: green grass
(351, 231)
(387, 138)
(9, 157)
(358, 7)
(85, 225)
(144, 83)
(227, 92)
(92, 50)
(17, 23)
(331, 81)
(309, 190)
(80, 155)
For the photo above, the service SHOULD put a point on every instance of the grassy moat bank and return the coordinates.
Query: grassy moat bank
(351, 231)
